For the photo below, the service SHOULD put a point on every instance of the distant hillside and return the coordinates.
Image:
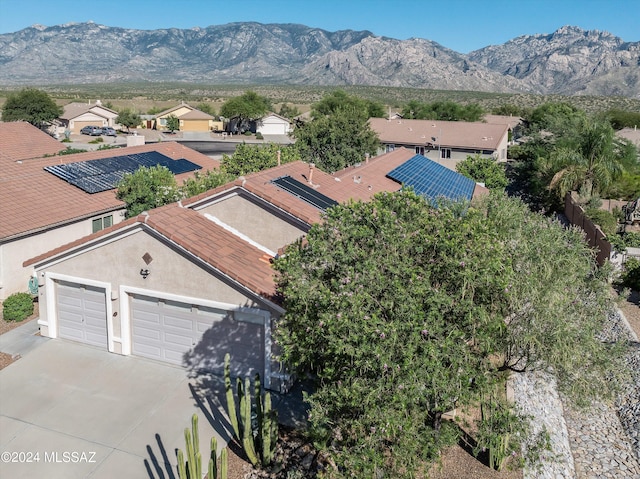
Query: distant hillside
(569, 61)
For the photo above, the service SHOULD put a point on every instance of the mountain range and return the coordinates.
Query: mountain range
(569, 61)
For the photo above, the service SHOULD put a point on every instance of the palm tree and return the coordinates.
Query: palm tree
(591, 163)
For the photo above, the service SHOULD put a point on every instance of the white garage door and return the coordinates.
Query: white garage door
(196, 336)
(273, 128)
(82, 313)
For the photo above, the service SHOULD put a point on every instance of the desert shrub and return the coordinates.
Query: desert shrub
(631, 274)
(607, 221)
(259, 136)
(247, 133)
(17, 307)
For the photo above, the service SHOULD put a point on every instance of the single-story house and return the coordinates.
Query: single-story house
(188, 282)
(39, 210)
(450, 141)
(191, 119)
(76, 116)
(273, 124)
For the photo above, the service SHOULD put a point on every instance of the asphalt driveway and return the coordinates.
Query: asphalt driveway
(73, 411)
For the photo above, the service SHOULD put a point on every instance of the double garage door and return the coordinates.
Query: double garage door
(196, 336)
(179, 333)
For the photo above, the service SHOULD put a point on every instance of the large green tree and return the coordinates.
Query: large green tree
(247, 107)
(248, 158)
(31, 105)
(484, 170)
(339, 100)
(147, 188)
(426, 307)
(442, 110)
(339, 135)
(589, 160)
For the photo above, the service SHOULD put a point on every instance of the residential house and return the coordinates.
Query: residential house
(40, 210)
(76, 116)
(272, 124)
(191, 119)
(188, 282)
(447, 142)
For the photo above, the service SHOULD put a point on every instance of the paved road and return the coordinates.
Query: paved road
(211, 148)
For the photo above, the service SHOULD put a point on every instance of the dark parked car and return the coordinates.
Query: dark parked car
(91, 130)
(108, 131)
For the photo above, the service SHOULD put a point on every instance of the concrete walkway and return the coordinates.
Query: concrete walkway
(73, 411)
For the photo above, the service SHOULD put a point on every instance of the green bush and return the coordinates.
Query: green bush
(17, 307)
(631, 274)
(607, 221)
(259, 136)
(247, 133)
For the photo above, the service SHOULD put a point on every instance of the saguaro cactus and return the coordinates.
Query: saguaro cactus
(258, 439)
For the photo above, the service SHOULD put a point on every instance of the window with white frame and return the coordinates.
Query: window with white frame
(445, 153)
(101, 223)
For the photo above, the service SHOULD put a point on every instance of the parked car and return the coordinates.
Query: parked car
(108, 131)
(91, 130)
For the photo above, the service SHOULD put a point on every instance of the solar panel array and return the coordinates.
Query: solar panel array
(433, 180)
(94, 176)
(304, 192)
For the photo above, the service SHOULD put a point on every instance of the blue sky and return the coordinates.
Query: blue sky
(462, 25)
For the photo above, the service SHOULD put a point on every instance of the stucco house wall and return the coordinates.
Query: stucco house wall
(13, 276)
(257, 220)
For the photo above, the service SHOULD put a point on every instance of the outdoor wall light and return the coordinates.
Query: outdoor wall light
(144, 273)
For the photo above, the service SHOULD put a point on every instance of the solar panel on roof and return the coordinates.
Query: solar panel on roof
(433, 180)
(304, 192)
(94, 176)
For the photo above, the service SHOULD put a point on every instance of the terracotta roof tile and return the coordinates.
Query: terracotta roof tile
(20, 140)
(32, 199)
(449, 134)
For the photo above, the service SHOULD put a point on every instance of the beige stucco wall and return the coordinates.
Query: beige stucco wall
(118, 263)
(13, 276)
(252, 220)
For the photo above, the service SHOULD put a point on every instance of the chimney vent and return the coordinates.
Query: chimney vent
(311, 167)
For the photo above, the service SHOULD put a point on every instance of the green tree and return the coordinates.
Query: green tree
(557, 118)
(288, 111)
(31, 105)
(339, 134)
(204, 182)
(426, 307)
(442, 110)
(248, 158)
(589, 161)
(339, 100)
(207, 108)
(173, 123)
(484, 170)
(247, 107)
(128, 119)
(147, 188)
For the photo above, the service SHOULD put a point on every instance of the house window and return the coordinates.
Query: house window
(101, 223)
(163, 121)
(445, 153)
(419, 150)
(390, 148)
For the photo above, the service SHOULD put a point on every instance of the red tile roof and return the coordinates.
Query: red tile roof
(203, 238)
(235, 257)
(20, 140)
(449, 134)
(32, 199)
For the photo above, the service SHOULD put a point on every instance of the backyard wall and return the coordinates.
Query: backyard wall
(595, 237)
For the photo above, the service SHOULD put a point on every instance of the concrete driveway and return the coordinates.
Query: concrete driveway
(75, 411)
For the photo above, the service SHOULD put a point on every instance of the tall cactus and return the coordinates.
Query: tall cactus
(193, 467)
(257, 439)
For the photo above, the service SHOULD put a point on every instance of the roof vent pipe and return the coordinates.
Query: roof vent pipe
(278, 157)
(366, 158)
(311, 167)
